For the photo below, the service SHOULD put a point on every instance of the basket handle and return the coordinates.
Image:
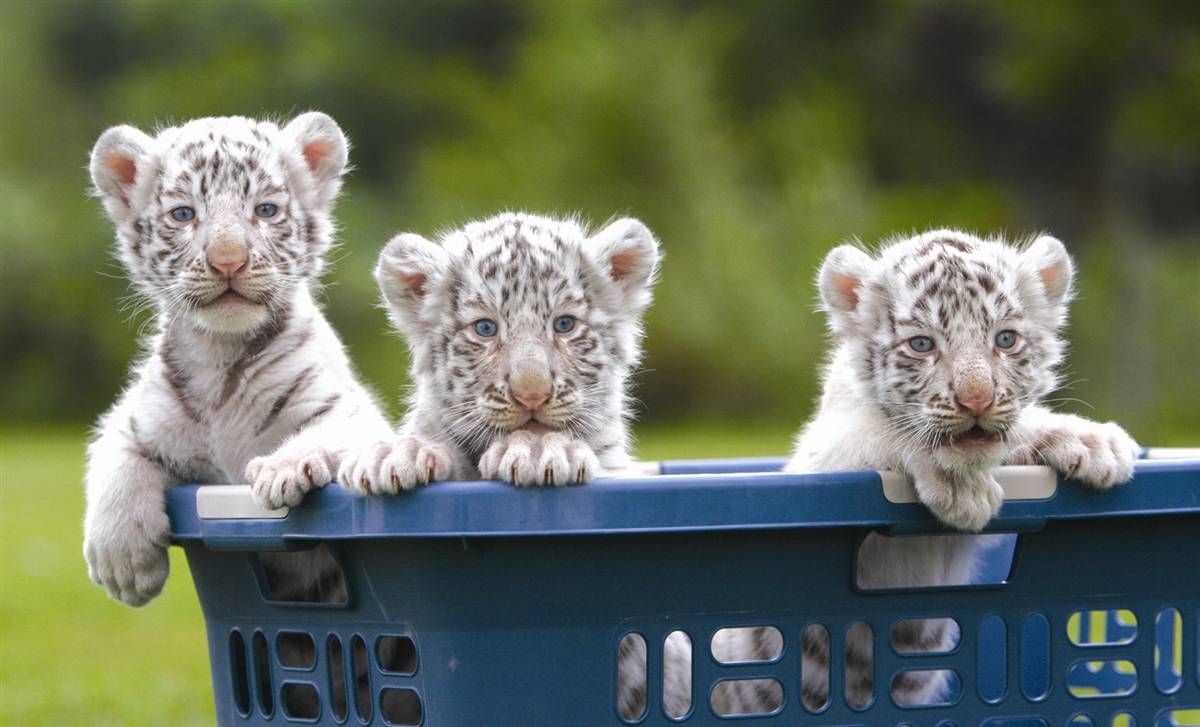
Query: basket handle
(1019, 482)
(233, 502)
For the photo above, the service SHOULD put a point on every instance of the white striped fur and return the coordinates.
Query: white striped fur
(242, 363)
(529, 404)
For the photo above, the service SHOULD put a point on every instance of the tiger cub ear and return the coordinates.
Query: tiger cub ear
(1049, 260)
(120, 161)
(409, 268)
(626, 253)
(841, 281)
(323, 147)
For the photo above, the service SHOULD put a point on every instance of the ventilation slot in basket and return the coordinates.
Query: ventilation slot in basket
(396, 654)
(992, 659)
(860, 665)
(814, 668)
(747, 645)
(278, 577)
(925, 636)
(677, 675)
(990, 562)
(1179, 717)
(1168, 651)
(746, 697)
(262, 671)
(358, 648)
(1116, 627)
(400, 707)
(1035, 657)
(337, 678)
(1099, 679)
(239, 673)
(631, 677)
(296, 650)
(926, 688)
(300, 701)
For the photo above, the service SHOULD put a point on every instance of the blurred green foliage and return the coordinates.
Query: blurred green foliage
(750, 136)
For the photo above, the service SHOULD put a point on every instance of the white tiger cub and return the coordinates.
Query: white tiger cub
(222, 223)
(523, 331)
(944, 344)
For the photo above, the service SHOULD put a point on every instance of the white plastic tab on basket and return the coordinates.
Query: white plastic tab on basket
(638, 469)
(1020, 482)
(1172, 453)
(232, 502)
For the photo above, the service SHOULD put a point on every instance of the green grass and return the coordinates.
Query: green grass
(69, 655)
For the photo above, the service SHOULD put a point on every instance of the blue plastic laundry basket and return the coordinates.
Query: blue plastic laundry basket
(500, 606)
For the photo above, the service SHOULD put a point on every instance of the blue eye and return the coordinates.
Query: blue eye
(1006, 339)
(921, 344)
(183, 214)
(266, 209)
(486, 328)
(564, 324)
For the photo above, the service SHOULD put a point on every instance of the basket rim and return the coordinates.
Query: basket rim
(669, 503)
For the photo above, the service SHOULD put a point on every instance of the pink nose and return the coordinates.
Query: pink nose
(531, 400)
(975, 402)
(531, 388)
(227, 259)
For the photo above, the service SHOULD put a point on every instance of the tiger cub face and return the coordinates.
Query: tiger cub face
(522, 322)
(952, 335)
(221, 219)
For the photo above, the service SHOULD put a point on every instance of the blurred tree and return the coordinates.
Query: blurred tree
(750, 136)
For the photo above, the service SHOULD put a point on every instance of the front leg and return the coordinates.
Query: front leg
(963, 499)
(1097, 454)
(401, 462)
(526, 458)
(126, 529)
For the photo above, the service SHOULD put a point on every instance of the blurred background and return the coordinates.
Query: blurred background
(750, 136)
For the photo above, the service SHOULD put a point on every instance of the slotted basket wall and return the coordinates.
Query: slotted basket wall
(500, 606)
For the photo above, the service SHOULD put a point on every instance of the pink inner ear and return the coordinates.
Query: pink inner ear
(123, 167)
(623, 263)
(847, 289)
(414, 283)
(316, 152)
(1051, 278)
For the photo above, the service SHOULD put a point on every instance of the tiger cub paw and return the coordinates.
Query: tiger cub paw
(390, 466)
(283, 478)
(1097, 454)
(527, 459)
(965, 502)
